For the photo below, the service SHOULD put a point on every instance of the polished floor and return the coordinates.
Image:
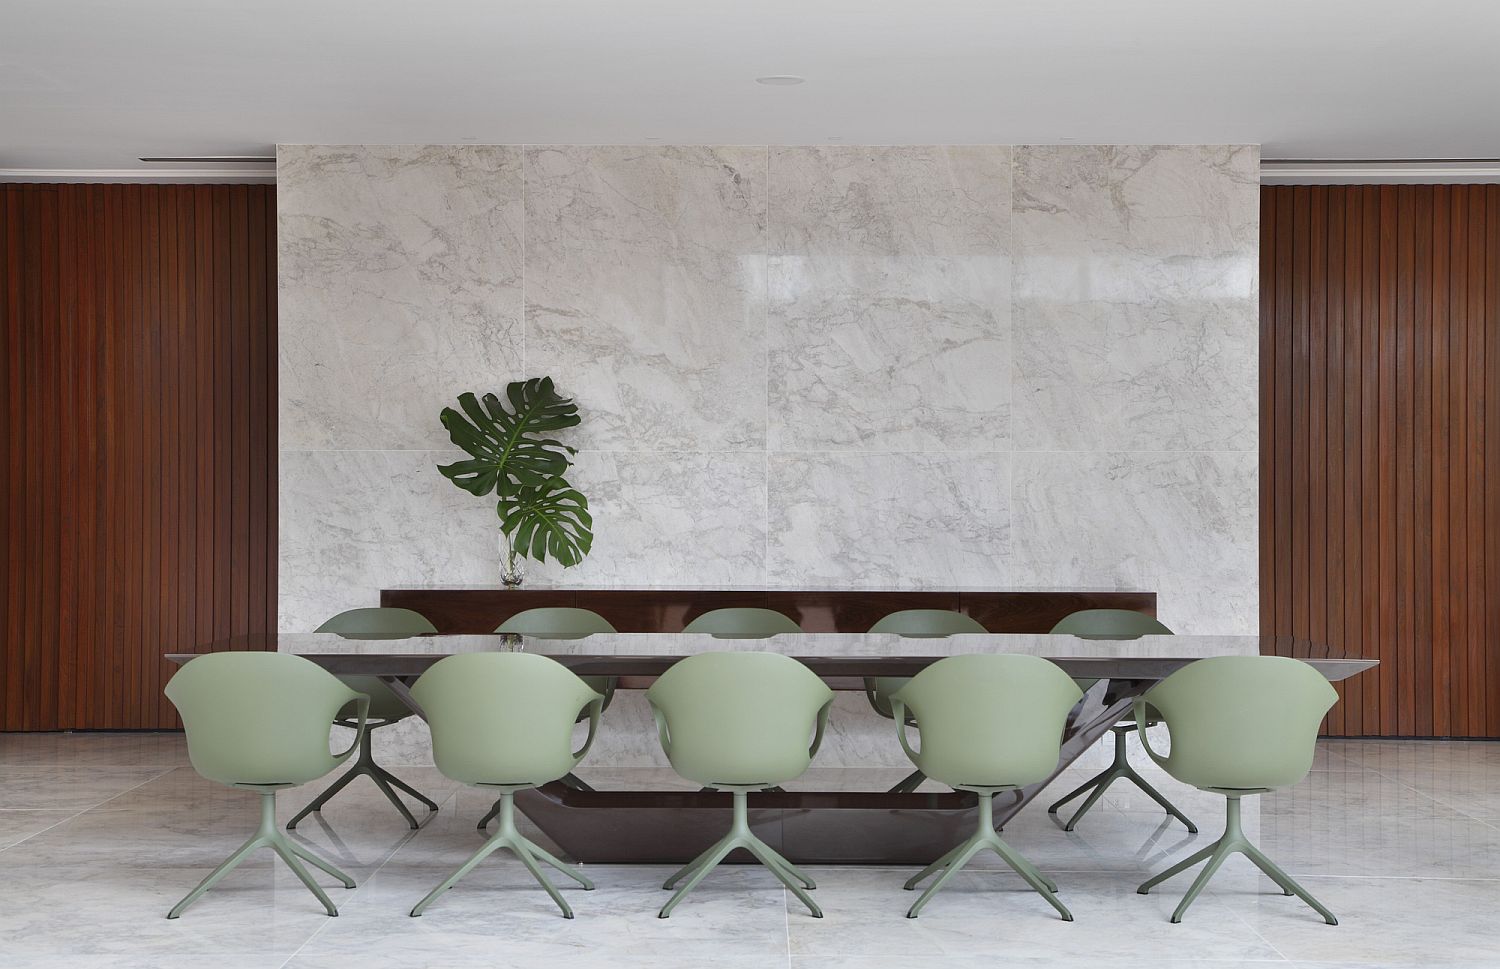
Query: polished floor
(101, 833)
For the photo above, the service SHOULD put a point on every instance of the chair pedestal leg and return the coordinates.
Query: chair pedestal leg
(1233, 841)
(268, 835)
(1119, 770)
(985, 837)
(528, 852)
(740, 836)
(364, 765)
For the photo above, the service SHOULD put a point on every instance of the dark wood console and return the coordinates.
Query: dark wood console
(649, 610)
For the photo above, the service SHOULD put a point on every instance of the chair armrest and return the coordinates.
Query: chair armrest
(362, 717)
(899, 709)
(822, 727)
(595, 708)
(1142, 720)
(662, 733)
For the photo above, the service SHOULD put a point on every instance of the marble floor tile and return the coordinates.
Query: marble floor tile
(87, 887)
(17, 826)
(64, 788)
(1382, 921)
(980, 911)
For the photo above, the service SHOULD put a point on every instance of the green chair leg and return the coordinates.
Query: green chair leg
(364, 765)
(1233, 841)
(796, 881)
(524, 849)
(1119, 770)
(986, 837)
(268, 835)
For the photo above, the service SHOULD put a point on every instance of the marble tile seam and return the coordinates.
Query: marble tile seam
(162, 773)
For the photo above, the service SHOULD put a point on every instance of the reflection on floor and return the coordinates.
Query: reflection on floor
(100, 834)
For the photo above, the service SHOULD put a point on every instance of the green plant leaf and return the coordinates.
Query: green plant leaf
(508, 451)
(548, 519)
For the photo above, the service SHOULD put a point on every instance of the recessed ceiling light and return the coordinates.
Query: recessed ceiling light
(780, 79)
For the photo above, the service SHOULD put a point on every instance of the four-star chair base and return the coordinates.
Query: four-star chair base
(986, 837)
(740, 836)
(269, 836)
(1233, 841)
(527, 851)
(364, 765)
(1120, 769)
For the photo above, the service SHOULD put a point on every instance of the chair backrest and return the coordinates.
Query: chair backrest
(502, 718)
(561, 622)
(378, 622)
(743, 623)
(922, 623)
(258, 718)
(988, 719)
(739, 718)
(1241, 722)
(1109, 624)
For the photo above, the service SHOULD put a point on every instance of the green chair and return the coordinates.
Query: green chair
(1113, 624)
(989, 723)
(259, 722)
(740, 722)
(913, 624)
(385, 707)
(504, 721)
(743, 623)
(1239, 725)
(561, 622)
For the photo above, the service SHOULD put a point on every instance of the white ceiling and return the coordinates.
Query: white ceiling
(88, 84)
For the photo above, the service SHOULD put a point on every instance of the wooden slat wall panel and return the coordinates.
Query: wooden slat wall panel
(1380, 450)
(138, 398)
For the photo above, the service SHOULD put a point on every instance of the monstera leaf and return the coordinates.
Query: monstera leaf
(508, 447)
(551, 518)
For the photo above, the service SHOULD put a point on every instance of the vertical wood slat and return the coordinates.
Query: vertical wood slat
(139, 343)
(1380, 346)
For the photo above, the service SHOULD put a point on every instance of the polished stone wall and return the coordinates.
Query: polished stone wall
(1021, 366)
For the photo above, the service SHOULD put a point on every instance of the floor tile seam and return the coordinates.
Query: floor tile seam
(411, 835)
(84, 811)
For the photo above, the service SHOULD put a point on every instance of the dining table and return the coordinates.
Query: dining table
(634, 824)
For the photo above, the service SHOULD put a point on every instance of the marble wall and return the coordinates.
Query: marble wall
(1022, 366)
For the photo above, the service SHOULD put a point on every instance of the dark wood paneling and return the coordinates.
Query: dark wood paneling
(1380, 414)
(669, 610)
(139, 429)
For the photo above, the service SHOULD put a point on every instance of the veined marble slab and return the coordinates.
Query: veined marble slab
(646, 289)
(400, 288)
(889, 322)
